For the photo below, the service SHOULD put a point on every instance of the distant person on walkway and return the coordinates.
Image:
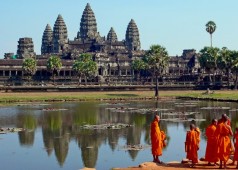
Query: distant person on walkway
(211, 149)
(192, 144)
(157, 139)
(235, 141)
(224, 146)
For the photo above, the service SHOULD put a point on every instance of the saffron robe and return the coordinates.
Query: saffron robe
(224, 146)
(157, 138)
(211, 149)
(236, 147)
(192, 145)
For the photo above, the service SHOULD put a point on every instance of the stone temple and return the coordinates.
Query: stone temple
(113, 56)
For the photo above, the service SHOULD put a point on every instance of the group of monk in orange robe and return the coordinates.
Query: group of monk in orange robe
(219, 145)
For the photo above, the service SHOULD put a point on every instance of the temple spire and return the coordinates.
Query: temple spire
(47, 38)
(60, 34)
(88, 25)
(132, 36)
(112, 36)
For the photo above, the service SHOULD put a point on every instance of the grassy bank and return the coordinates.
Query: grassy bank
(70, 96)
(130, 95)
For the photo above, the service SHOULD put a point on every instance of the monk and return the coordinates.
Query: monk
(157, 139)
(235, 141)
(224, 116)
(224, 146)
(192, 144)
(211, 149)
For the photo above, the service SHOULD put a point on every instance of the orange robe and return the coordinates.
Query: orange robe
(157, 138)
(224, 146)
(192, 145)
(236, 147)
(211, 150)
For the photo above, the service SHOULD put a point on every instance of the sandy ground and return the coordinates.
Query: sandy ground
(174, 166)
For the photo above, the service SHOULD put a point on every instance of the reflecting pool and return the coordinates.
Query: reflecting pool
(55, 136)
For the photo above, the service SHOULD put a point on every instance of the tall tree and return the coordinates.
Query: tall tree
(85, 66)
(211, 28)
(54, 65)
(157, 61)
(208, 60)
(225, 62)
(234, 66)
(29, 67)
(138, 65)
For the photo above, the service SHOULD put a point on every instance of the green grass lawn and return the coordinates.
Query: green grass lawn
(130, 95)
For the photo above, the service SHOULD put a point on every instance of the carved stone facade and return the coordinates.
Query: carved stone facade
(113, 57)
(88, 26)
(112, 36)
(47, 40)
(132, 36)
(25, 48)
(60, 35)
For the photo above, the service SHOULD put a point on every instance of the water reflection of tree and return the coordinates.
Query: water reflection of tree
(85, 113)
(28, 122)
(149, 118)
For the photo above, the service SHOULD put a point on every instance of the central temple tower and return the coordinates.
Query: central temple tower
(88, 25)
(132, 36)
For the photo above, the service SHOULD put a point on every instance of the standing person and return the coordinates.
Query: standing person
(211, 149)
(192, 144)
(235, 141)
(224, 116)
(224, 142)
(157, 139)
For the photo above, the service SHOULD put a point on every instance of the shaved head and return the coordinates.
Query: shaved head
(157, 117)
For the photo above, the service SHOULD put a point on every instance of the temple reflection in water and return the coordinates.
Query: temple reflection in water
(59, 129)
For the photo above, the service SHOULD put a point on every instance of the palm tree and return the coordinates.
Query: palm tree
(54, 65)
(85, 66)
(157, 60)
(29, 67)
(210, 28)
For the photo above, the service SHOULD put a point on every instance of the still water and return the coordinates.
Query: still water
(54, 137)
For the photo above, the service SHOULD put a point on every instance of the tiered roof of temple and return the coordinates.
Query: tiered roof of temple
(113, 56)
(47, 40)
(132, 36)
(112, 36)
(25, 48)
(60, 35)
(88, 25)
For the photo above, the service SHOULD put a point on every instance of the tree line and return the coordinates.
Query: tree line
(84, 66)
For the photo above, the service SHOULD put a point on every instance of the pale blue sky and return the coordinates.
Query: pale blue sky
(174, 24)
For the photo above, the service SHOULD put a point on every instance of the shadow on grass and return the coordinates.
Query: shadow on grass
(122, 95)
